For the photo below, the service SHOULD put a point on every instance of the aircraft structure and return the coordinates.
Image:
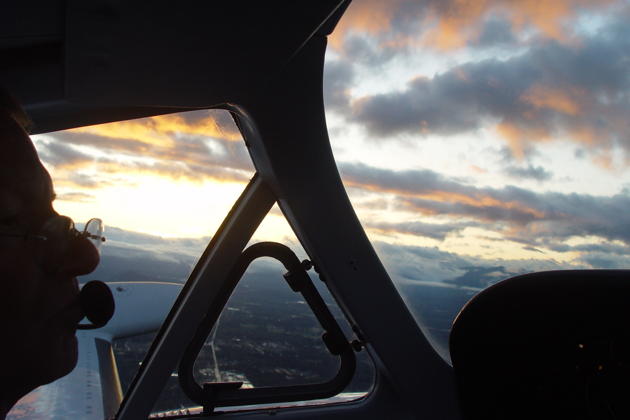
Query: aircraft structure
(77, 63)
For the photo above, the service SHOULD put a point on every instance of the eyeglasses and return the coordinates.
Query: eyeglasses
(61, 228)
(55, 236)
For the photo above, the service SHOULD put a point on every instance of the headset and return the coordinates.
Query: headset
(97, 304)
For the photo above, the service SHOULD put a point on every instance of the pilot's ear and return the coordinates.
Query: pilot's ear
(11, 107)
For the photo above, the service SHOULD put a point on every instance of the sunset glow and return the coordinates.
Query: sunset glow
(489, 132)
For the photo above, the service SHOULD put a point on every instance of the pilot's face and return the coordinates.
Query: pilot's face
(39, 310)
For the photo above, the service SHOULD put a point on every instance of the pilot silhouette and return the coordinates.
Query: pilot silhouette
(41, 255)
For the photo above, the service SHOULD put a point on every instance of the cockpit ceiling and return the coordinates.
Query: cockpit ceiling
(73, 63)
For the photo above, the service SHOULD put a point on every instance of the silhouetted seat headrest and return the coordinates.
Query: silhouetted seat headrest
(546, 345)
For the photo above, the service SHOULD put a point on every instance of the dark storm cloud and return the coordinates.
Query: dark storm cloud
(537, 173)
(525, 216)
(578, 92)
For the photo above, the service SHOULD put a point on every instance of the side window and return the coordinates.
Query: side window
(481, 141)
(268, 336)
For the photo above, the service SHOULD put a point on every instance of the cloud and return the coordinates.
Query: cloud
(451, 24)
(480, 277)
(434, 284)
(429, 230)
(163, 129)
(177, 151)
(531, 248)
(606, 261)
(537, 173)
(84, 180)
(180, 170)
(338, 77)
(535, 219)
(76, 197)
(608, 248)
(193, 247)
(60, 154)
(411, 264)
(129, 255)
(552, 91)
(495, 32)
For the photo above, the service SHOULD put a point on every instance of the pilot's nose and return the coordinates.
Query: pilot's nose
(81, 257)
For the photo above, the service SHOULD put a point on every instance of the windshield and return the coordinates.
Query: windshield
(481, 140)
(163, 185)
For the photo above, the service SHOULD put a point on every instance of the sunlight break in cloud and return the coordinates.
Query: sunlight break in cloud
(160, 130)
(179, 147)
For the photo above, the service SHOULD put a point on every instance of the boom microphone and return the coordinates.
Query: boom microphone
(97, 303)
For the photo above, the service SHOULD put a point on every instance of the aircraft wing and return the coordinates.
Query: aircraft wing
(92, 390)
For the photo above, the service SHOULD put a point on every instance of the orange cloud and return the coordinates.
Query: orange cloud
(448, 34)
(150, 146)
(452, 24)
(366, 16)
(585, 120)
(565, 101)
(478, 200)
(124, 173)
(481, 201)
(160, 130)
(519, 136)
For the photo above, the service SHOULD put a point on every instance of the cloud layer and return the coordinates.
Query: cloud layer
(532, 218)
(195, 146)
(563, 83)
(449, 24)
(550, 92)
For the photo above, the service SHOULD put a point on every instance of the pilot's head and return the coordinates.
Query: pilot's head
(39, 262)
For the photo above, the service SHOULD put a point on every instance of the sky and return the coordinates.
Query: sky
(490, 137)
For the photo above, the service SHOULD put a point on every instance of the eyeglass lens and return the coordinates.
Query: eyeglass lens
(94, 231)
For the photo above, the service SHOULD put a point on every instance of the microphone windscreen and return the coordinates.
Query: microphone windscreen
(97, 303)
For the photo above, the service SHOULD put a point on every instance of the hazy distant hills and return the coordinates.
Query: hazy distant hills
(434, 283)
(267, 335)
